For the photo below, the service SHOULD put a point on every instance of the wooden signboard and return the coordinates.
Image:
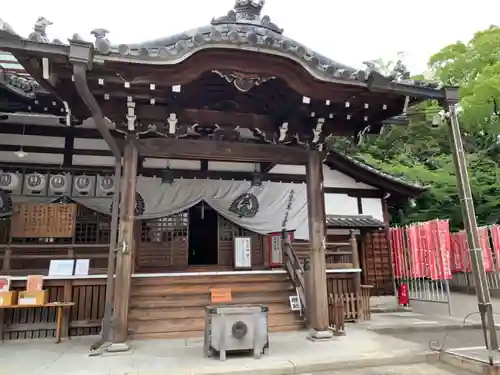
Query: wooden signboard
(43, 220)
(220, 295)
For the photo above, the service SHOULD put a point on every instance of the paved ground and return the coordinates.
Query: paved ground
(416, 369)
(445, 338)
(290, 353)
(398, 340)
(461, 305)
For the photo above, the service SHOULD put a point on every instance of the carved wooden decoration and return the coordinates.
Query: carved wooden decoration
(242, 81)
(43, 220)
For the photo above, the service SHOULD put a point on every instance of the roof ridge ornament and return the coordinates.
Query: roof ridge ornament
(248, 12)
(39, 33)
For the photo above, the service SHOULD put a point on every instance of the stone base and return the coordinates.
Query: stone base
(118, 347)
(315, 335)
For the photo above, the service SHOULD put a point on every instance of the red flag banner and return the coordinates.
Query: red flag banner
(398, 258)
(415, 252)
(457, 263)
(464, 245)
(484, 240)
(443, 248)
(428, 240)
(495, 238)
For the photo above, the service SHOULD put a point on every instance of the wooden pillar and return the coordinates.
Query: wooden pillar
(355, 261)
(318, 305)
(125, 248)
(357, 275)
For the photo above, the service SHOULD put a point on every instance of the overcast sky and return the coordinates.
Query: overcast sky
(347, 31)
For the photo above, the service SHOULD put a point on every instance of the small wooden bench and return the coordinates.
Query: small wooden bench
(59, 306)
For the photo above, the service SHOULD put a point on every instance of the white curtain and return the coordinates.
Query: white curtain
(162, 200)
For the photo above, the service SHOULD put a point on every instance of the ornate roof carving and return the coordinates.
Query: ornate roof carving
(243, 27)
(248, 12)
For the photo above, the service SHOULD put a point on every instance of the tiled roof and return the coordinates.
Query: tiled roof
(352, 221)
(14, 78)
(244, 26)
(381, 173)
(344, 163)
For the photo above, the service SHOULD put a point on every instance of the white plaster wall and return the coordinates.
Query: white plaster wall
(231, 166)
(288, 169)
(373, 207)
(340, 204)
(174, 163)
(90, 144)
(38, 158)
(331, 178)
(92, 160)
(31, 140)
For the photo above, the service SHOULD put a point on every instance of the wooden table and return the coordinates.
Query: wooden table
(59, 306)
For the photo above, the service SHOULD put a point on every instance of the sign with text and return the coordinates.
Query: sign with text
(220, 295)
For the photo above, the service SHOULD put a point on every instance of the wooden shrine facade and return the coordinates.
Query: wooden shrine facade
(266, 99)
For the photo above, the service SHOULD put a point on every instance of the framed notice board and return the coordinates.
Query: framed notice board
(43, 220)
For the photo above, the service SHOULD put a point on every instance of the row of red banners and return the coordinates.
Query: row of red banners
(430, 250)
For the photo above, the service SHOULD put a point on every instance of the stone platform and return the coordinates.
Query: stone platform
(290, 353)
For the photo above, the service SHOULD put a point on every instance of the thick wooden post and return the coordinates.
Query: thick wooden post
(357, 275)
(125, 248)
(319, 300)
(355, 260)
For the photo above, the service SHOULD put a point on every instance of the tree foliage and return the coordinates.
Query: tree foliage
(421, 152)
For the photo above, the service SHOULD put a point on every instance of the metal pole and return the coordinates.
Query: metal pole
(470, 224)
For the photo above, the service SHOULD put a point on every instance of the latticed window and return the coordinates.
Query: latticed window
(228, 230)
(91, 227)
(165, 229)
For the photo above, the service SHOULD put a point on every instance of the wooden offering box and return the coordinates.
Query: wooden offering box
(35, 298)
(8, 299)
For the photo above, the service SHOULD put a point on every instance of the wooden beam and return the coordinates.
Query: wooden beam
(125, 247)
(152, 172)
(316, 210)
(69, 143)
(80, 77)
(204, 165)
(220, 151)
(266, 167)
(244, 120)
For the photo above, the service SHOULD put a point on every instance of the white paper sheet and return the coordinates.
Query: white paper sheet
(82, 267)
(61, 267)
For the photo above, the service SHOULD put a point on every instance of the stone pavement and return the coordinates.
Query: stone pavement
(461, 305)
(290, 353)
(389, 339)
(415, 369)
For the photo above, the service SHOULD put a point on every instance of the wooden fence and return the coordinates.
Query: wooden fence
(355, 304)
(84, 318)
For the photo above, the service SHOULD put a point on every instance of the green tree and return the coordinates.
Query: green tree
(421, 152)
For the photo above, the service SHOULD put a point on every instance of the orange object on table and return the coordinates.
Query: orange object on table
(220, 295)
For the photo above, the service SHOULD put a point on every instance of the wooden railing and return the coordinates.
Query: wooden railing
(295, 271)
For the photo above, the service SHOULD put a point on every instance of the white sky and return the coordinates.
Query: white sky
(347, 31)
